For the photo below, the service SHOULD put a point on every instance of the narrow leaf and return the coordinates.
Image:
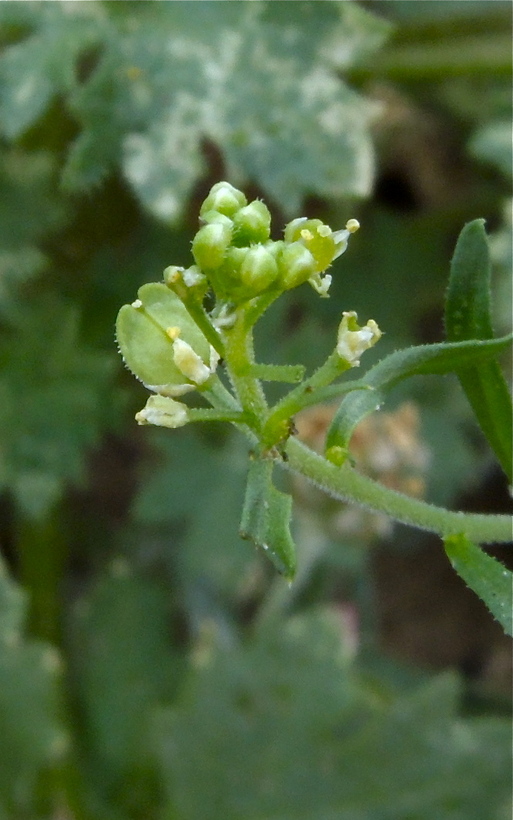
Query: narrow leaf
(266, 517)
(468, 316)
(487, 577)
(413, 361)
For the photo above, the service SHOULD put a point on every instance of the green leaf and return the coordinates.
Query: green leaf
(123, 665)
(283, 728)
(421, 360)
(468, 316)
(43, 65)
(29, 211)
(277, 94)
(33, 738)
(266, 517)
(54, 402)
(487, 577)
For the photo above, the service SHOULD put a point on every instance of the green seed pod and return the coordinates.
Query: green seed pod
(252, 224)
(296, 265)
(146, 331)
(259, 269)
(224, 198)
(210, 244)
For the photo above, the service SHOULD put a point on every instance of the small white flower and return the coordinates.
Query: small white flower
(189, 363)
(354, 340)
(164, 412)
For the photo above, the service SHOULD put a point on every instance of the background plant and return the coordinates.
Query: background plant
(136, 626)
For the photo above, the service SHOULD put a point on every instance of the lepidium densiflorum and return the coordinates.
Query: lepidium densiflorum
(191, 335)
(173, 345)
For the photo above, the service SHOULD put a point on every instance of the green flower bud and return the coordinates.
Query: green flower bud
(259, 269)
(252, 224)
(224, 198)
(216, 216)
(296, 265)
(233, 263)
(164, 412)
(275, 247)
(147, 332)
(210, 244)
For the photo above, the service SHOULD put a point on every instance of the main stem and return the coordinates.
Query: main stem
(349, 485)
(239, 356)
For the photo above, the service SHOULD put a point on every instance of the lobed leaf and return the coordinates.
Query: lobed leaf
(282, 727)
(260, 82)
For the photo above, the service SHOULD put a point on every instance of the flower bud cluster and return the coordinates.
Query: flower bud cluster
(234, 251)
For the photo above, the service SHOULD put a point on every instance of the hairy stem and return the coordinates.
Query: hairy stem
(239, 357)
(348, 485)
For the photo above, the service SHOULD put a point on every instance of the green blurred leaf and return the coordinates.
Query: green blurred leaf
(422, 360)
(32, 736)
(192, 491)
(44, 64)
(29, 211)
(263, 86)
(54, 401)
(487, 577)
(123, 666)
(266, 517)
(468, 316)
(283, 728)
(492, 143)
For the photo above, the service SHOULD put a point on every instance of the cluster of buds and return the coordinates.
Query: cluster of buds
(234, 256)
(234, 251)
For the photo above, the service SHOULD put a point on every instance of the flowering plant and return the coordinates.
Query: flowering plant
(175, 345)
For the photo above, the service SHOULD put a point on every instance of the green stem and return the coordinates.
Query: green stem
(258, 306)
(348, 485)
(198, 314)
(206, 414)
(221, 399)
(239, 357)
(300, 397)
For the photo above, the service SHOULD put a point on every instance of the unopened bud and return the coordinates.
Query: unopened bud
(296, 264)
(216, 216)
(224, 198)
(252, 223)
(259, 269)
(210, 244)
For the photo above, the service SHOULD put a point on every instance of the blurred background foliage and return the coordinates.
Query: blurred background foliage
(151, 664)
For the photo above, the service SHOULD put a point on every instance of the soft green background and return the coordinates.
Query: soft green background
(151, 665)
